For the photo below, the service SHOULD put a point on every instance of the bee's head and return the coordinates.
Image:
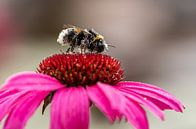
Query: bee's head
(105, 45)
(101, 43)
(99, 37)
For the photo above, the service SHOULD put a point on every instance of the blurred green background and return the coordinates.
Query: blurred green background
(155, 41)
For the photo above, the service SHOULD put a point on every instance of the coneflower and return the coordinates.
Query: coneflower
(72, 83)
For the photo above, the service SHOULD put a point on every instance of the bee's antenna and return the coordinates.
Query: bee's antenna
(111, 45)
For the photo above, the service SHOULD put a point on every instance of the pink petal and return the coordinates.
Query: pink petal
(23, 110)
(32, 81)
(158, 96)
(141, 100)
(136, 115)
(8, 102)
(114, 104)
(158, 103)
(5, 93)
(102, 102)
(70, 109)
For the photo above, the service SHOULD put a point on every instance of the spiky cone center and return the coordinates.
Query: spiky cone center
(82, 69)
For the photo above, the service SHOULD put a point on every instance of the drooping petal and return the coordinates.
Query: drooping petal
(5, 93)
(158, 96)
(113, 103)
(136, 115)
(102, 102)
(145, 102)
(24, 109)
(32, 81)
(70, 109)
(8, 102)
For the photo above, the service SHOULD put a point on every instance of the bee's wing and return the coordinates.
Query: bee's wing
(65, 26)
(93, 31)
(86, 31)
(78, 29)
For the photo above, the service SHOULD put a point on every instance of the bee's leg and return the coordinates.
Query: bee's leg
(82, 46)
(72, 49)
(84, 49)
(81, 49)
(91, 50)
(87, 44)
(68, 50)
(62, 51)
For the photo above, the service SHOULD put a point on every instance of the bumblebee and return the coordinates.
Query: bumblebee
(83, 39)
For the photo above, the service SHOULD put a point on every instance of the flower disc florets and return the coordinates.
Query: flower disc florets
(82, 69)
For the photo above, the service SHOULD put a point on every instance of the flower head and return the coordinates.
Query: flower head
(77, 81)
(82, 69)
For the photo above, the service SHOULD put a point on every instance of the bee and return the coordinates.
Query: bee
(83, 39)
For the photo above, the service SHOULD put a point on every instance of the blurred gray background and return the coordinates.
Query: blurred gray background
(155, 41)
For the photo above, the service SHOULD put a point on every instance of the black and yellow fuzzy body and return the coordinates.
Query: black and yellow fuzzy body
(83, 39)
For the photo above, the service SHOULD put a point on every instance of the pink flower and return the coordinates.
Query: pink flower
(74, 82)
